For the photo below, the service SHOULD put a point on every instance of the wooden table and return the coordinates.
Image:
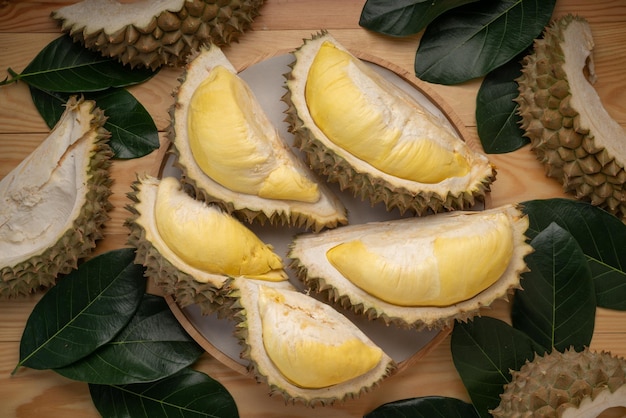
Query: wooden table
(25, 28)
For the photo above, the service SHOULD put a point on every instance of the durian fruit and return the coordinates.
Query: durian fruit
(571, 132)
(150, 33)
(302, 348)
(54, 204)
(422, 272)
(569, 384)
(370, 136)
(231, 154)
(192, 249)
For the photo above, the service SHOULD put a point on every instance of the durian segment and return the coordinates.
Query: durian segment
(417, 272)
(570, 130)
(304, 349)
(192, 249)
(569, 384)
(54, 203)
(362, 131)
(151, 33)
(231, 154)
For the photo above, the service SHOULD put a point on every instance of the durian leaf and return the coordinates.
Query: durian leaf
(85, 310)
(497, 120)
(187, 394)
(153, 345)
(133, 131)
(404, 17)
(601, 236)
(470, 41)
(66, 66)
(483, 352)
(425, 407)
(557, 307)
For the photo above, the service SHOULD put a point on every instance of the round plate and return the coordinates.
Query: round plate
(216, 335)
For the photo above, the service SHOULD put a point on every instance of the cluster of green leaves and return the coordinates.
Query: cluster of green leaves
(467, 39)
(98, 326)
(64, 68)
(578, 263)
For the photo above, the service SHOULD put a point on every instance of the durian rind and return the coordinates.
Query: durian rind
(362, 179)
(151, 33)
(79, 138)
(327, 212)
(249, 332)
(570, 131)
(308, 259)
(567, 384)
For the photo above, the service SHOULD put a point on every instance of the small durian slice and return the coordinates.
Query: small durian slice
(362, 131)
(418, 272)
(192, 249)
(54, 204)
(303, 348)
(230, 152)
(151, 33)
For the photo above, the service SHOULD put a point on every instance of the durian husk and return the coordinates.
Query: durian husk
(327, 212)
(362, 179)
(565, 384)
(245, 295)
(151, 33)
(570, 131)
(74, 157)
(308, 259)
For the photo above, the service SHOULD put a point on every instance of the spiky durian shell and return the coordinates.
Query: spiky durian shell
(569, 129)
(558, 384)
(165, 38)
(373, 184)
(87, 147)
(328, 212)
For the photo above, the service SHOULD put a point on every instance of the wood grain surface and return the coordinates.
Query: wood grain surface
(25, 28)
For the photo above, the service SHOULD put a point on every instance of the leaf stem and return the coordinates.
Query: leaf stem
(14, 77)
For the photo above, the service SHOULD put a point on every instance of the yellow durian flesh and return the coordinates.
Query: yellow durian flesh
(227, 130)
(361, 116)
(437, 268)
(210, 240)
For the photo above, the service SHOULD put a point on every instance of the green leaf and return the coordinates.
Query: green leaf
(152, 346)
(557, 307)
(426, 407)
(186, 394)
(472, 40)
(85, 310)
(601, 236)
(133, 131)
(404, 17)
(483, 352)
(497, 120)
(66, 66)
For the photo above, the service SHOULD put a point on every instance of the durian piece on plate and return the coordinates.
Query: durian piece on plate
(570, 130)
(231, 154)
(54, 204)
(302, 348)
(566, 385)
(422, 272)
(149, 33)
(192, 249)
(370, 136)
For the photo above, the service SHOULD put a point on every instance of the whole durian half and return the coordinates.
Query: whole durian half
(370, 136)
(191, 249)
(231, 154)
(152, 33)
(569, 384)
(54, 204)
(570, 130)
(302, 348)
(420, 272)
